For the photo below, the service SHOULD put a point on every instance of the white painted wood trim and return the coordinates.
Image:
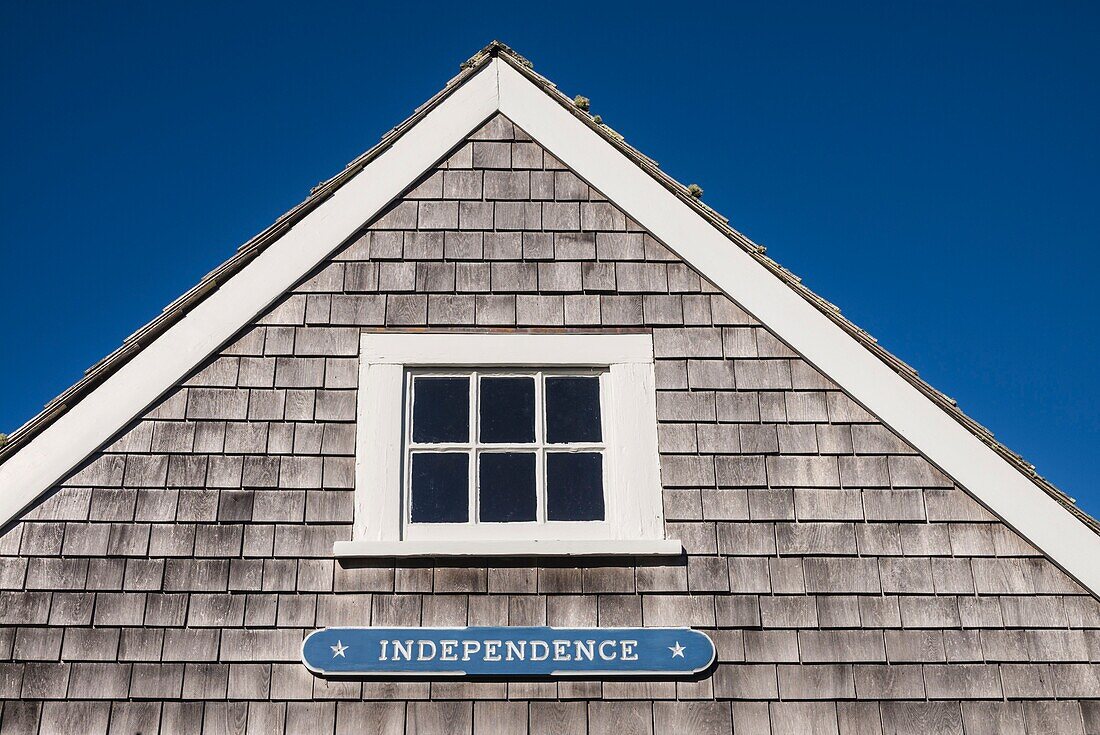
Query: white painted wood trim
(489, 547)
(506, 350)
(633, 492)
(633, 461)
(124, 395)
(378, 455)
(519, 532)
(973, 464)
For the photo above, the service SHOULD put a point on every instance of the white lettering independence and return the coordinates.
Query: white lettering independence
(472, 649)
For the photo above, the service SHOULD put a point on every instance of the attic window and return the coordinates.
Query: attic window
(514, 444)
(491, 446)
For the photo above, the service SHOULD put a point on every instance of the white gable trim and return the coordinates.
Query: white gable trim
(1006, 492)
(180, 349)
(73, 437)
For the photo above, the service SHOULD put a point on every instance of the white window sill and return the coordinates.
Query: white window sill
(439, 548)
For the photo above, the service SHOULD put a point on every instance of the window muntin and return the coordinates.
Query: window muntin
(532, 443)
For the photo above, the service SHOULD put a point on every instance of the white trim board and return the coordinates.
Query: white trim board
(489, 350)
(525, 548)
(497, 87)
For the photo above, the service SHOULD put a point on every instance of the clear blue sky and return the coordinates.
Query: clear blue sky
(933, 168)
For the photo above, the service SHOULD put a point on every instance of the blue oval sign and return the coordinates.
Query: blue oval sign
(507, 651)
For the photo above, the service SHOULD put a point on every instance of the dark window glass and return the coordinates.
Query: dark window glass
(440, 487)
(441, 410)
(573, 409)
(574, 486)
(507, 486)
(507, 410)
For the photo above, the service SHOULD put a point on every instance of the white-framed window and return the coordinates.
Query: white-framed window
(521, 450)
(510, 444)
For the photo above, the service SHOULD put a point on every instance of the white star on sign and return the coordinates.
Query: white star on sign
(677, 650)
(338, 650)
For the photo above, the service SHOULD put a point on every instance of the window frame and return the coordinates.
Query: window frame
(633, 514)
(475, 447)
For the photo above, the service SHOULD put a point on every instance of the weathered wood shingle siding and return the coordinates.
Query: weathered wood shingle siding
(850, 587)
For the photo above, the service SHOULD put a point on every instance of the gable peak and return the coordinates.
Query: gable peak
(494, 49)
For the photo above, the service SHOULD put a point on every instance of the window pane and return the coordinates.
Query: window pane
(506, 489)
(507, 410)
(573, 409)
(574, 486)
(441, 410)
(440, 487)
